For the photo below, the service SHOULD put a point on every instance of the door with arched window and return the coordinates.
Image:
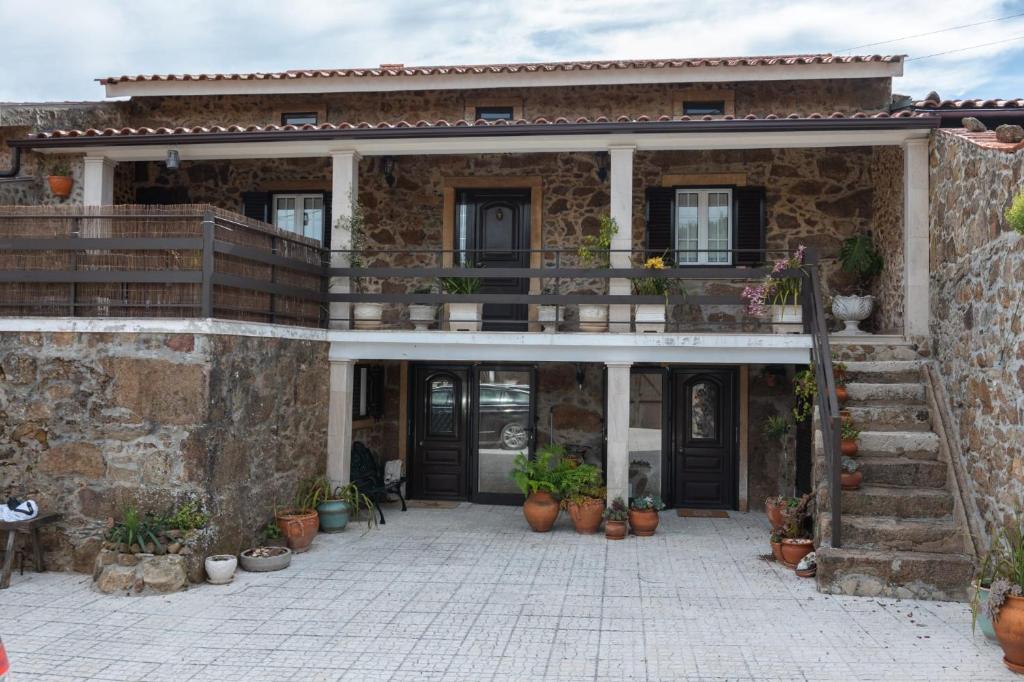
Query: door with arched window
(438, 466)
(705, 439)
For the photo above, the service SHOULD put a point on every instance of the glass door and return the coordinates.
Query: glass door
(504, 420)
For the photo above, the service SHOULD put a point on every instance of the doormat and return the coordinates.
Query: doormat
(431, 504)
(702, 513)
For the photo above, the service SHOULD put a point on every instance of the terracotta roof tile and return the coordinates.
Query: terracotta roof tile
(198, 130)
(390, 70)
(986, 139)
(947, 104)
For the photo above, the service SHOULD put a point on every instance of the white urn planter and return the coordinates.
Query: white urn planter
(852, 310)
(593, 317)
(368, 315)
(464, 317)
(422, 315)
(649, 318)
(220, 568)
(787, 319)
(549, 317)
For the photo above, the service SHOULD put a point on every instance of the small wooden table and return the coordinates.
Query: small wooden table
(31, 528)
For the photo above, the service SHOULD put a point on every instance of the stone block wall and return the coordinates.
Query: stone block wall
(887, 232)
(91, 421)
(977, 266)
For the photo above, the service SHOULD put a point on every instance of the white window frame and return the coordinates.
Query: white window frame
(703, 257)
(300, 211)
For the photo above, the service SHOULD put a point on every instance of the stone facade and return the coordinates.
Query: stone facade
(92, 421)
(977, 265)
(771, 468)
(887, 231)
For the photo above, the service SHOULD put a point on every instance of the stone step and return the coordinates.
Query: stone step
(919, 445)
(869, 352)
(903, 472)
(897, 534)
(876, 500)
(884, 372)
(874, 418)
(901, 575)
(884, 393)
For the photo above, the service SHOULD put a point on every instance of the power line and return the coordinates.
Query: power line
(964, 49)
(931, 33)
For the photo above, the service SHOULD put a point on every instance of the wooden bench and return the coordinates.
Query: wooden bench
(30, 528)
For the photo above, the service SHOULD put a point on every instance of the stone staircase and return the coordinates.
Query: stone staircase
(901, 536)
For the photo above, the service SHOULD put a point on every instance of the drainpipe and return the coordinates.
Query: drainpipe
(15, 164)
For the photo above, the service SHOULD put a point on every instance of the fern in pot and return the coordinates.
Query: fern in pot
(858, 258)
(462, 316)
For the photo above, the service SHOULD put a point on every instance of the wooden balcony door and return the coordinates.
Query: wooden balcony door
(705, 438)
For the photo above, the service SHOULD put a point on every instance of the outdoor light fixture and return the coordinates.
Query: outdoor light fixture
(581, 375)
(387, 168)
(173, 159)
(601, 159)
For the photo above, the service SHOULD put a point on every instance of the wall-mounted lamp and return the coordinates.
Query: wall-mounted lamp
(173, 159)
(387, 169)
(601, 160)
(581, 375)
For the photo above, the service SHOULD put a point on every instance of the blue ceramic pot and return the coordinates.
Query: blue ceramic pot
(983, 623)
(333, 516)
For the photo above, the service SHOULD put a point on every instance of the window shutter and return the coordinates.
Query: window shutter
(357, 383)
(660, 204)
(375, 392)
(256, 205)
(327, 220)
(749, 224)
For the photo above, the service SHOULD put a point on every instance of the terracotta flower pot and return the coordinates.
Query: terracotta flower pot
(842, 395)
(643, 522)
(60, 185)
(541, 511)
(795, 550)
(615, 530)
(587, 516)
(298, 526)
(774, 513)
(850, 481)
(777, 551)
(1009, 627)
(849, 448)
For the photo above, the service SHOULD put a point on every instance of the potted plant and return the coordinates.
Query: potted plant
(643, 514)
(1004, 565)
(778, 296)
(365, 315)
(264, 559)
(980, 588)
(805, 392)
(615, 518)
(796, 540)
(839, 373)
(776, 506)
(582, 495)
(650, 317)
(849, 435)
(299, 522)
(333, 504)
(850, 476)
(550, 316)
(422, 315)
(60, 180)
(539, 479)
(775, 539)
(220, 568)
(594, 252)
(463, 317)
(271, 536)
(857, 257)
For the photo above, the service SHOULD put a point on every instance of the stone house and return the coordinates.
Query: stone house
(241, 355)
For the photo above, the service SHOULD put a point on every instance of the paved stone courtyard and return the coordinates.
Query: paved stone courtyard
(471, 594)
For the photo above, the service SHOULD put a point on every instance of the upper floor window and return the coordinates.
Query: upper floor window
(299, 118)
(703, 226)
(495, 113)
(704, 107)
(300, 213)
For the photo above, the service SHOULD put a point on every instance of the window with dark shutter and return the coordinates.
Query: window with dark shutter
(749, 225)
(368, 392)
(328, 217)
(256, 205)
(659, 207)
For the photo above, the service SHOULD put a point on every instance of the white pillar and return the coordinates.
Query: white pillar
(339, 421)
(345, 193)
(98, 181)
(617, 421)
(915, 238)
(619, 315)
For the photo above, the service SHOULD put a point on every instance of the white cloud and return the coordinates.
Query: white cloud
(58, 58)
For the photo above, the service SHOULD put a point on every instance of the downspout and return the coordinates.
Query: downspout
(15, 164)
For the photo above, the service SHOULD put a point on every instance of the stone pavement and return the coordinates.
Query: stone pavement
(471, 594)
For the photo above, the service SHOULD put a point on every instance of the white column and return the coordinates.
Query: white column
(98, 181)
(915, 238)
(617, 421)
(339, 421)
(619, 315)
(345, 193)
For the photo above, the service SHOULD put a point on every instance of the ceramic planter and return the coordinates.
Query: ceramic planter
(842, 395)
(368, 315)
(333, 516)
(852, 310)
(464, 317)
(60, 185)
(220, 568)
(422, 315)
(615, 530)
(850, 481)
(795, 550)
(1009, 629)
(983, 622)
(643, 522)
(849, 448)
(777, 551)
(774, 513)
(787, 319)
(593, 317)
(264, 559)
(298, 527)
(541, 511)
(549, 317)
(586, 517)
(649, 318)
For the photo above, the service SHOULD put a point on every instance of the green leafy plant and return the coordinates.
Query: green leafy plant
(652, 286)
(594, 249)
(1015, 213)
(839, 372)
(462, 286)
(805, 390)
(357, 501)
(797, 519)
(135, 529)
(60, 167)
(188, 516)
(578, 483)
(646, 503)
(847, 431)
(617, 511)
(859, 257)
(270, 531)
(545, 472)
(1003, 567)
(775, 427)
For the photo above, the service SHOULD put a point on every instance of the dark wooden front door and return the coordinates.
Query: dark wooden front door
(705, 439)
(438, 467)
(496, 225)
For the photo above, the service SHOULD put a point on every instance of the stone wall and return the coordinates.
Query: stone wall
(771, 468)
(887, 231)
(977, 266)
(92, 421)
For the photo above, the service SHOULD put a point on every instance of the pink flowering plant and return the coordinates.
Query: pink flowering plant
(776, 289)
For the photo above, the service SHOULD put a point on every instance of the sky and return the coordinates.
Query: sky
(56, 53)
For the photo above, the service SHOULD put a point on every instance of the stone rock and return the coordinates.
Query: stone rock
(1010, 133)
(164, 573)
(174, 548)
(974, 125)
(73, 459)
(164, 392)
(116, 579)
(104, 558)
(186, 550)
(84, 554)
(128, 559)
(18, 369)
